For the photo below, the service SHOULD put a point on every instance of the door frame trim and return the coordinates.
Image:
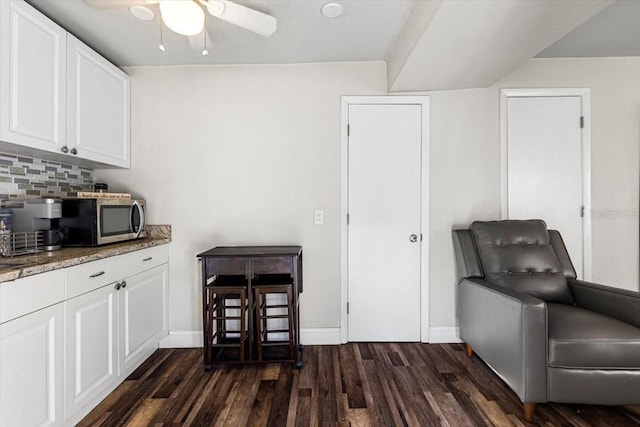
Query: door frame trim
(424, 102)
(585, 103)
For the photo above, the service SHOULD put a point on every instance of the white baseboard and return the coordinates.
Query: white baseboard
(308, 336)
(182, 339)
(444, 334)
(320, 336)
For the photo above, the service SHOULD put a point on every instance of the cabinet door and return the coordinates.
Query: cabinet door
(97, 106)
(32, 78)
(91, 346)
(32, 369)
(143, 316)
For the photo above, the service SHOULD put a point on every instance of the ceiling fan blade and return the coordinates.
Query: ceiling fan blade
(242, 16)
(112, 4)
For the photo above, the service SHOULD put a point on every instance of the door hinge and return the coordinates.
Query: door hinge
(347, 308)
(348, 130)
(421, 237)
(581, 122)
(347, 219)
(582, 211)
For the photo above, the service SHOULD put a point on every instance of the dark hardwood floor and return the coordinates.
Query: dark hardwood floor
(355, 384)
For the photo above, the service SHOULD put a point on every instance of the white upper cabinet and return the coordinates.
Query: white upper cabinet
(97, 107)
(59, 99)
(32, 78)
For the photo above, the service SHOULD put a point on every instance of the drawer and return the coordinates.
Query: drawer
(226, 266)
(85, 278)
(93, 275)
(272, 265)
(24, 296)
(142, 260)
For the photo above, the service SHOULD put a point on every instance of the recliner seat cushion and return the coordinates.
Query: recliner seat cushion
(580, 338)
(517, 254)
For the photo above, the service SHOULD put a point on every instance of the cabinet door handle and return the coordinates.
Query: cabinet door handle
(124, 284)
(117, 286)
(74, 151)
(64, 149)
(100, 273)
(147, 259)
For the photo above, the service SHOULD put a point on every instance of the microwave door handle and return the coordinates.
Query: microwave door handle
(136, 205)
(143, 219)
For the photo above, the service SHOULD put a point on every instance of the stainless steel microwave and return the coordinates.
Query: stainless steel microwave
(94, 222)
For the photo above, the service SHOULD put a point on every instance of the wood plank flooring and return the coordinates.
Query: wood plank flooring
(408, 384)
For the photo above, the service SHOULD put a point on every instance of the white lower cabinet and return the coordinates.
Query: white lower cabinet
(115, 326)
(142, 303)
(69, 337)
(92, 346)
(110, 331)
(32, 369)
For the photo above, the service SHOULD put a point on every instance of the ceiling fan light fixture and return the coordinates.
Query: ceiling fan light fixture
(182, 16)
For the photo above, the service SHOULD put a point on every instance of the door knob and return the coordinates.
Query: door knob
(413, 238)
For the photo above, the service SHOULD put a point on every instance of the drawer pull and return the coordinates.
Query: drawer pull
(124, 284)
(100, 273)
(147, 259)
(118, 286)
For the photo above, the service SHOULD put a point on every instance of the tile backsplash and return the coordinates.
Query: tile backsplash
(24, 177)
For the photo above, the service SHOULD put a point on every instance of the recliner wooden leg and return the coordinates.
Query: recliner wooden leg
(468, 350)
(529, 412)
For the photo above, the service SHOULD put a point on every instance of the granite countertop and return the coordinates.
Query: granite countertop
(28, 265)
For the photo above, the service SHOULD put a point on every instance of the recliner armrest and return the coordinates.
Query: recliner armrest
(508, 330)
(620, 304)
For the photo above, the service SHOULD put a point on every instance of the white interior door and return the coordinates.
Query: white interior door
(544, 163)
(384, 201)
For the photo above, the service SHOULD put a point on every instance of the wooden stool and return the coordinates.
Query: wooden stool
(217, 328)
(264, 313)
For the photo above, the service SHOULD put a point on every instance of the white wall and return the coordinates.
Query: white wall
(465, 166)
(243, 155)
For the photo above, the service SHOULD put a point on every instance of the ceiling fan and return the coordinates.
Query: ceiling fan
(187, 17)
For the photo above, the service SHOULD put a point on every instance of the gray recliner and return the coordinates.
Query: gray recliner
(548, 335)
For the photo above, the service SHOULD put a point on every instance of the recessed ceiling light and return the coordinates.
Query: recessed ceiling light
(331, 10)
(142, 12)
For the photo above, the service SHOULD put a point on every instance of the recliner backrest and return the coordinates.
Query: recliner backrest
(518, 254)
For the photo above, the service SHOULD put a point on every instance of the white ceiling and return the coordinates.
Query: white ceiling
(365, 31)
(474, 43)
(613, 32)
(428, 44)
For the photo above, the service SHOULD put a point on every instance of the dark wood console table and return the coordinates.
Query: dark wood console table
(246, 267)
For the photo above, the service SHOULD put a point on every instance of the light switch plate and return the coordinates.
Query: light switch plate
(318, 216)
